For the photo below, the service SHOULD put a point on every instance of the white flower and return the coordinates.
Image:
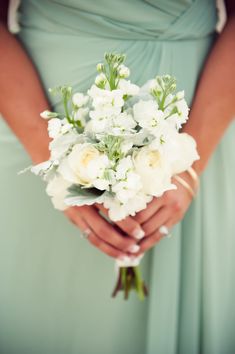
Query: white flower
(83, 165)
(126, 145)
(128, 88)
(147, 114)
(124, 166)
(119, 211)
(128, 182)
(54, 126)
(100, 67)
(181, 151)
(57, 190)
(81, 114)
(122, 123)
(106, 102)
(48, 115)
(179, 108)
(61, 144)
(41, 167)
(100, 79)
(154, 170)
(127, 188)
(79, 99)
(123, 71)
(57, 127)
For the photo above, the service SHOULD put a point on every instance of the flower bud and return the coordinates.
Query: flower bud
(48, 115)
(100, 67)
(100, 79)
(123, 71)
(180, 95)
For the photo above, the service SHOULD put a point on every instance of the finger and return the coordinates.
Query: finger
(106, 231)
(151, 209)
(76, 219)
(129, 225)
(154, 238)
(157, 220)
(105, 247)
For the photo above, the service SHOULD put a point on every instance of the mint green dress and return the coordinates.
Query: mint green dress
(54, 286)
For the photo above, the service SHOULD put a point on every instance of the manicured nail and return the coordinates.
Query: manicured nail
(138, 233)
(124, 258)
(134, 248)
(163, 230)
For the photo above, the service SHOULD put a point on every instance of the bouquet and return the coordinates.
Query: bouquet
(117, 144)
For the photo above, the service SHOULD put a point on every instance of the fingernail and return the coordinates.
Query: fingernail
(124, 258)
(163, 230)
(134, 248)
(138, 233)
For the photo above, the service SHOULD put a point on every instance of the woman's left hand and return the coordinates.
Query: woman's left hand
(165, 211)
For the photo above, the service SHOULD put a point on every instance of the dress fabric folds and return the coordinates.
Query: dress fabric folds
(55, 287)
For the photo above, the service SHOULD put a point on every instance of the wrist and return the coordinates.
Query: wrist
(189, 180)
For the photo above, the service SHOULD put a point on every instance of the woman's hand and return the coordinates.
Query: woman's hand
(107, 237)
(166, 211)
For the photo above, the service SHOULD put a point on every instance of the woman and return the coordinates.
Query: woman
(54, 294)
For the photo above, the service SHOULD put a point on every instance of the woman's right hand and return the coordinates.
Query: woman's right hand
(116, 240)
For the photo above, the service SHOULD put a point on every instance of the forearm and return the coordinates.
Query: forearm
(22, 97)
(214, 105)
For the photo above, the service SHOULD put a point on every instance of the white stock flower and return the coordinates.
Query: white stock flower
(128, 88)
(154, 170)
(81, 114)
(147, 114)
(79, 99)
(180, 116)
(54, 126)
(181, 150)
(57, 190)
(124, 166)
(122, 123)
(61, 144)
(127, 188)
(123, 71)
(105, 102)
(83, 165)
(128, 182)
(119, 211)
(100, 79)
(57, 126)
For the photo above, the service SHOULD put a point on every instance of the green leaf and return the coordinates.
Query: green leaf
(83, 196)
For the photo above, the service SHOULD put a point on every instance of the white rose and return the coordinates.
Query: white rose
(154, 170)
(83, 165)
(182, 151)
(57, 190)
